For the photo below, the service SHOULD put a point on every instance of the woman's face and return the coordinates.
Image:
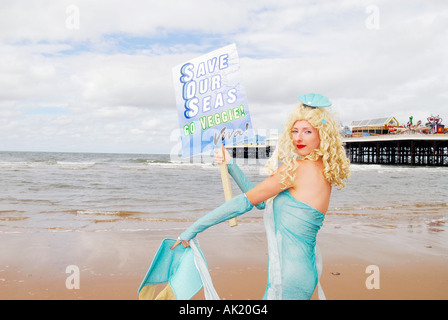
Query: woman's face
(305, 137)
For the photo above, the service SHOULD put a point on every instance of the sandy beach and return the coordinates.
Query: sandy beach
(105, 216)
(113, 264)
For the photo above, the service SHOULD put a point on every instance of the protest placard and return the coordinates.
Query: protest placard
(211, 102)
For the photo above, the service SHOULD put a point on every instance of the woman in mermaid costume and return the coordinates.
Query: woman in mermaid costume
(295, 197)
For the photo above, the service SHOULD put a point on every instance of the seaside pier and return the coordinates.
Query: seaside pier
(400, 149)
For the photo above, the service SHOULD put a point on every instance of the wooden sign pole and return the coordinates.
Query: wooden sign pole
(226, 184)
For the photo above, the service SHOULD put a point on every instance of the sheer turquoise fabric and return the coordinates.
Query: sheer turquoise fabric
(176, 267)
(292, 227)
(184, 269)
(230, 209)
(242, 181)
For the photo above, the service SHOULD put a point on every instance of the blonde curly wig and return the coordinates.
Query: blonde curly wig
(331, 150)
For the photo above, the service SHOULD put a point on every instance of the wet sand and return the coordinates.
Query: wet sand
(112, 265)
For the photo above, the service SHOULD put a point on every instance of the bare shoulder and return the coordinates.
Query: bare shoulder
(311, 170)
(278, 170)
(311, 186)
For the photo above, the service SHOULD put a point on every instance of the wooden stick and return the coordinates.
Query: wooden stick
(226, 184)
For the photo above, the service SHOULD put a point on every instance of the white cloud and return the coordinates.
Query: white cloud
(111, 78)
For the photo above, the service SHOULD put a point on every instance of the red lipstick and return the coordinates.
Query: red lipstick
(300, 146)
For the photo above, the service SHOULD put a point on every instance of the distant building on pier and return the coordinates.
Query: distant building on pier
(372, 127)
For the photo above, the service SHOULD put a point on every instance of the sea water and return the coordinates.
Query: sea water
(93, 192)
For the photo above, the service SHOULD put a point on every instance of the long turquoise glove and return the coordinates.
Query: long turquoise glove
(242, 181)
(230, 209)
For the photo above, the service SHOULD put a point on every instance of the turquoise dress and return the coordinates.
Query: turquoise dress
(291, 229)
(295, 263)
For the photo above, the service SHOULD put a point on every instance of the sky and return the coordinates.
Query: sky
(96, 76)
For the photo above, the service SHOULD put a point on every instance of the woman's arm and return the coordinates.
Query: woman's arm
(255, 194)
(267, 189)
(234, 207)
(235, 172)
(242, 181)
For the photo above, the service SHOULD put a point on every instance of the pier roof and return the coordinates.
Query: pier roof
(374, 122)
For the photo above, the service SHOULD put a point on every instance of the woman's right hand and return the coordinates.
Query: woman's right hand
(218, 155)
